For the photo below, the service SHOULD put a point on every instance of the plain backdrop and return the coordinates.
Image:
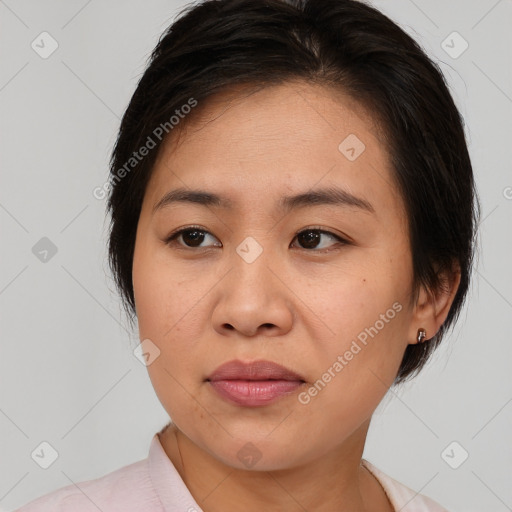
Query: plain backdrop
(68, 373)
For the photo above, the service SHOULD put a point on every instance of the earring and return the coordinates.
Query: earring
(422, 333)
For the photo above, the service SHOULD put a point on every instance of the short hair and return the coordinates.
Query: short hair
(217, 45)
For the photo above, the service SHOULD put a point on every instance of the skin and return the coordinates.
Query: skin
(298, 305)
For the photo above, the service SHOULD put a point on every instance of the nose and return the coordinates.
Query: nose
(253, 300)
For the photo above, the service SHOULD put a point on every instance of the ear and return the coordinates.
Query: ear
(432, 306)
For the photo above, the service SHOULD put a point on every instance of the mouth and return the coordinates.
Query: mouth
(254, 384)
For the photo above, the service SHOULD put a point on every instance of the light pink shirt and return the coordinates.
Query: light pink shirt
(154, 485)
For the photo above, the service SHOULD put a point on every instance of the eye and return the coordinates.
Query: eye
(310, 238)
(192, 235)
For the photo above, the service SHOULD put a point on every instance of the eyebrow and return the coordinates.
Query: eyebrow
(323, 196)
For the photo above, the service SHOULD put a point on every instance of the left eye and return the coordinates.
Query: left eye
(192, 238)
(310, 237)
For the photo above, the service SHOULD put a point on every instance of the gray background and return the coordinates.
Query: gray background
(68, 373)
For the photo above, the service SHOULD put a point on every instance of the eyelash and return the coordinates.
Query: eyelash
(171, 239)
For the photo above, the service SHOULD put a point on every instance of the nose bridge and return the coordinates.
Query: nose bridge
(250, 251)
(250, 261)
(252, 296)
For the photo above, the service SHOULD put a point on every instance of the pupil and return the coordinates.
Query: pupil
(309, 238)
(197, 236)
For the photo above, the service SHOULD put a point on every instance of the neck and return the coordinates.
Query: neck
(324, 484)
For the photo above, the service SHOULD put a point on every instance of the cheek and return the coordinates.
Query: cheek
(367, 319)
(166, 316)
(169, 313)
(356, 298)
(164, 297)
(355, 367)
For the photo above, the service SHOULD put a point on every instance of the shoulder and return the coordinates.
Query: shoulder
(402, 497)
(128, 488)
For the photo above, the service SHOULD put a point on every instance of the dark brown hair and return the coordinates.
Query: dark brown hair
(216, 45)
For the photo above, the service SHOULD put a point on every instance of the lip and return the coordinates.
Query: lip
(256, 370)
(254, 384)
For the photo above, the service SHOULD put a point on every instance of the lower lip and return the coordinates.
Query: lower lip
(253, 393)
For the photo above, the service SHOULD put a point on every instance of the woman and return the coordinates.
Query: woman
(293, 225)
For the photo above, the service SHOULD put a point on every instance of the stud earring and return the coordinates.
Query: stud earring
(422, 333)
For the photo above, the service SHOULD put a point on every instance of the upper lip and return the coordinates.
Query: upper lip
(256, 370)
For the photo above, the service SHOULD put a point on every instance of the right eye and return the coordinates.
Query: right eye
(193, 235)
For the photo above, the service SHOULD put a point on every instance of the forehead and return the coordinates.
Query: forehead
(276, 140)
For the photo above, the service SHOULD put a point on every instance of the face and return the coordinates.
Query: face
(320, 287)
